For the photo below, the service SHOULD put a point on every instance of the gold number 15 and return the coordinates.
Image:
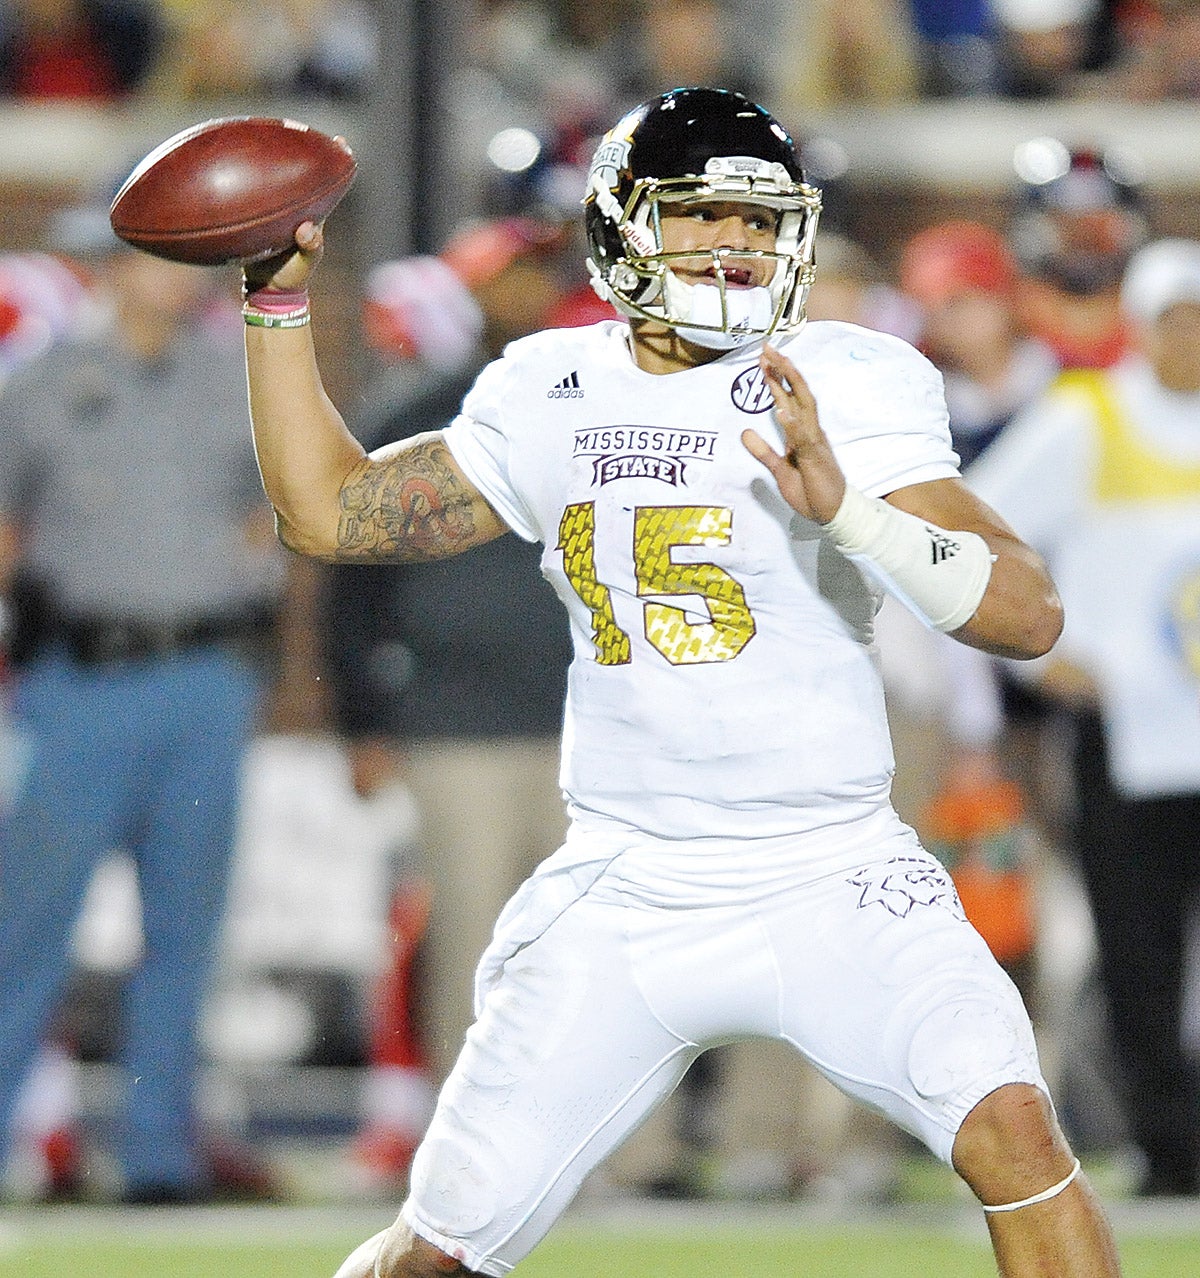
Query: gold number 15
(656, 531)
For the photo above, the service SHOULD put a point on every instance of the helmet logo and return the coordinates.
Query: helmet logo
(610, 158)
(745, 166)
(604, 178)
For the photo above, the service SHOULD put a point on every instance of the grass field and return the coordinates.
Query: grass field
(676, 1242)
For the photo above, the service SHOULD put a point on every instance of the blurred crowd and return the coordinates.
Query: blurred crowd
(565, 56)
(1064, 797)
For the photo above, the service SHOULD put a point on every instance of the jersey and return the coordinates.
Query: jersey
(724, 679)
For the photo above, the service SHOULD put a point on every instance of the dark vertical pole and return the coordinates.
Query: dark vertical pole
(390, 196)
(409, 200)
(442, 28)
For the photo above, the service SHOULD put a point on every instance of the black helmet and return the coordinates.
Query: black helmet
(696, 143)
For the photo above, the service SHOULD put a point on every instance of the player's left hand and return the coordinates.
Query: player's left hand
(809, 477)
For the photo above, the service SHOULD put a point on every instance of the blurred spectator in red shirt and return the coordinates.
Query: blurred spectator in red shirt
(97, 50)
(964, 278)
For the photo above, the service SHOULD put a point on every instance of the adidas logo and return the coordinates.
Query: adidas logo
(941, 546)
(568, 388)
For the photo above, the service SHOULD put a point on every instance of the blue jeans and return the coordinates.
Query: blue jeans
(146, 756)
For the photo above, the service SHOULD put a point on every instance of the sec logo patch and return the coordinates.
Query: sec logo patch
(749, 391)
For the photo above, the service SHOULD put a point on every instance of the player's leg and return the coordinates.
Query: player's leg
(915, 1017)
(400, 1253)
(1041, 1213)
(564, 1062)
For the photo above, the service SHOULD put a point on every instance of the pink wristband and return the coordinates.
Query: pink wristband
(276, 308)
(275, 301)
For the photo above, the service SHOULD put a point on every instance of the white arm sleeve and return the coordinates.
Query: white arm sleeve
(940, 575)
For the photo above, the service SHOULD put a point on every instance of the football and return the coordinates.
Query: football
(231, 190)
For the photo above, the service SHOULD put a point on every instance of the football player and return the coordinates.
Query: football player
(722, 493)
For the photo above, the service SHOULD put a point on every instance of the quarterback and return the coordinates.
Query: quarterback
(721, 506)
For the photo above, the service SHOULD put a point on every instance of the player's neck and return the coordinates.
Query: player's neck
(658, 349)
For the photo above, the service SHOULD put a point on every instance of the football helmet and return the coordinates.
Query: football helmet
(698, 144)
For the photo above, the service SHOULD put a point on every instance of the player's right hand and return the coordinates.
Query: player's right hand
(288, 271)
(807, 472)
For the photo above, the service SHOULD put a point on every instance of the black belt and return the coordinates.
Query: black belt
(96, 642)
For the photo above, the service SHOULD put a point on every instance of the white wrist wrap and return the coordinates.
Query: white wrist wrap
(940, 575)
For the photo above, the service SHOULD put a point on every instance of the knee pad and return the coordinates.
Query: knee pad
(969, 1040)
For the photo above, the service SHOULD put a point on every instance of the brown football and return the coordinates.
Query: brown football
(231, 190)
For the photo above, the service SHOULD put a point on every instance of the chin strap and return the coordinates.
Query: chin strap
(1044, 1196)
(698, 316)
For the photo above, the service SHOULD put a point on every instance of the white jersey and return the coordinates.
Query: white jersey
(1102, 476)
(725, 681)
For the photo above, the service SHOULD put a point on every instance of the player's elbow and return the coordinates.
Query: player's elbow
(1039, 629)
(1021, 615)
(1020, 633)
(304, 540)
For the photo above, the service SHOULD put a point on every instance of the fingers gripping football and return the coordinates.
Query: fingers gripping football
(809, 477)
(291, 270)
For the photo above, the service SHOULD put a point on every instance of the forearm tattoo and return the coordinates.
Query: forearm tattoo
(409, 507)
